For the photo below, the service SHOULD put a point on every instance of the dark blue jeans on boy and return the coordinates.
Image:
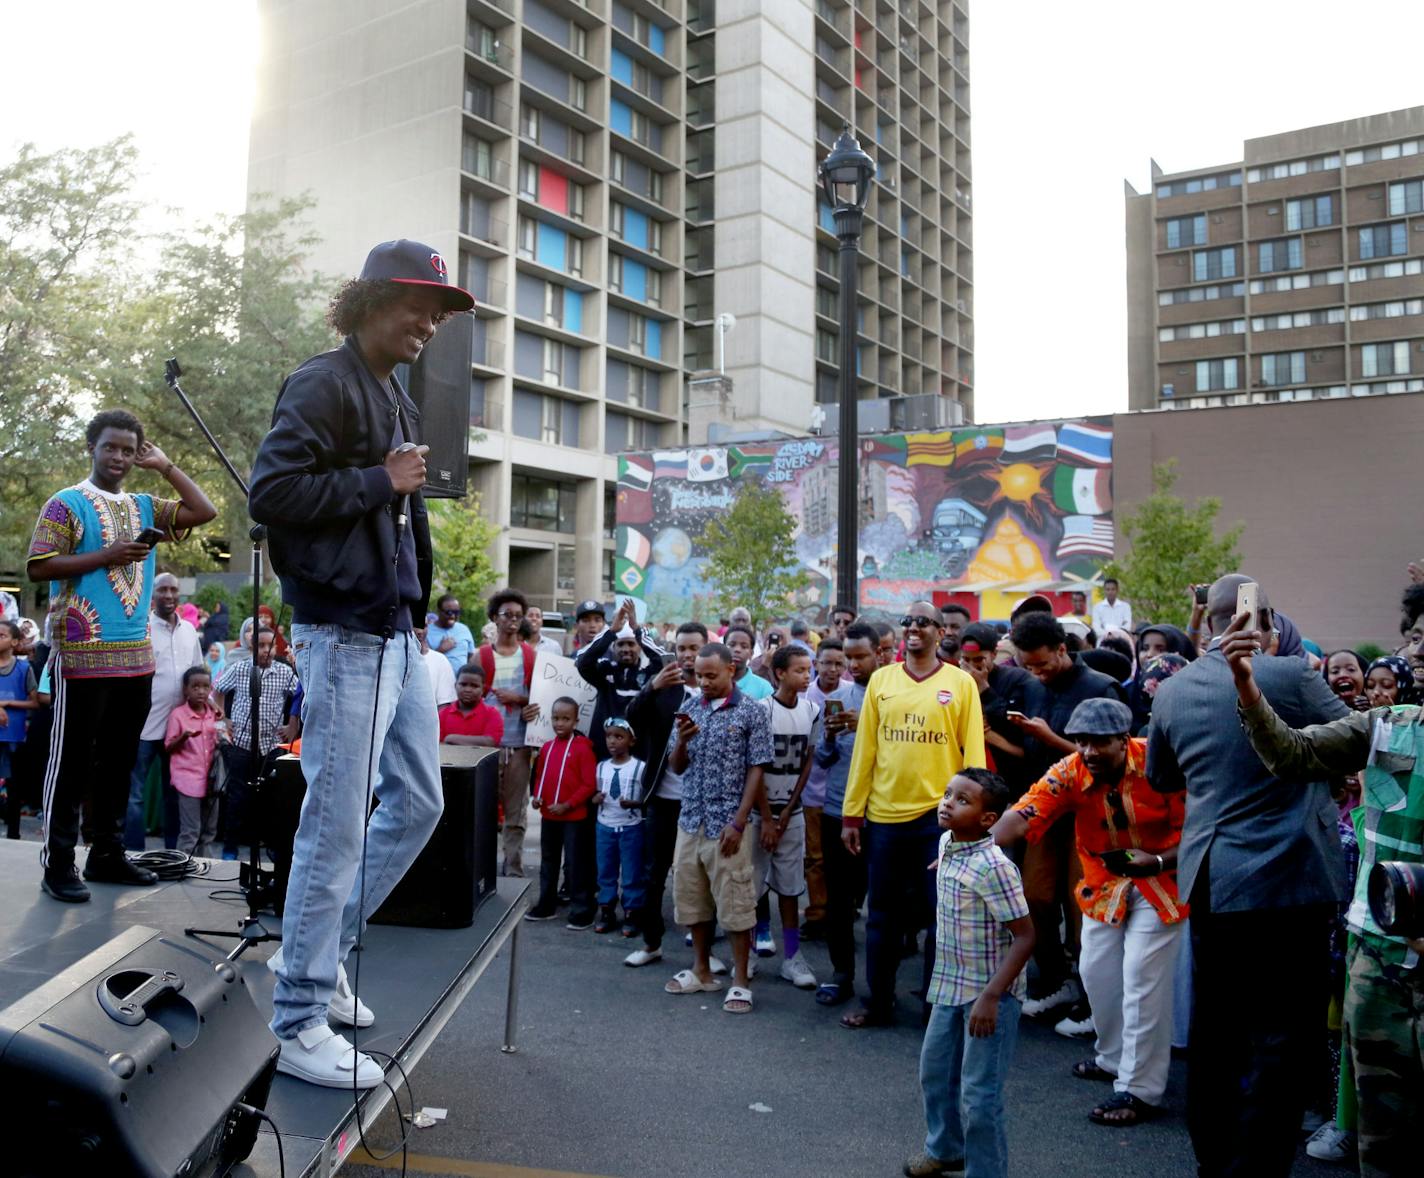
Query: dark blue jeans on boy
(962, 1081)
(620, 860)
(569, 843)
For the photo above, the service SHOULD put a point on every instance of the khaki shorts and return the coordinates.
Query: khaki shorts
(707, 884)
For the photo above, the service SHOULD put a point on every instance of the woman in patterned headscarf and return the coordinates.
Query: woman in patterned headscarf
(1389, 681)
(1154, 672)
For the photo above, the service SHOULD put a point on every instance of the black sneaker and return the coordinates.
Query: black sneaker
(813, 930)
(118, 869)
(64, 885)
(580, 922)
(605, 921)
(537, 913)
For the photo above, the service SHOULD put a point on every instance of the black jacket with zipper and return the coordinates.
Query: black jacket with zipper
(320, 485)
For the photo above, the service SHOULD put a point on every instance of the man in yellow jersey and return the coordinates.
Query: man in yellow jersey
(920, 724)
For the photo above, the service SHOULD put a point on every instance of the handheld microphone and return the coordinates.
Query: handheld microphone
(402, 506)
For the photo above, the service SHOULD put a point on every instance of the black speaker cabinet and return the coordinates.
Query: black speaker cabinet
(439, 384)
(131, 1063)
(456, 872)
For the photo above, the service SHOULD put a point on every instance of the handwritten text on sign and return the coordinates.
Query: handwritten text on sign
(556, 676)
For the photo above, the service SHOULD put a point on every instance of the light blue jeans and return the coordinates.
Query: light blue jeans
(962, 1082)
(321, 923)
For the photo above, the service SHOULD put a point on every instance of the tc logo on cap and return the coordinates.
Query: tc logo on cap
(437, 263)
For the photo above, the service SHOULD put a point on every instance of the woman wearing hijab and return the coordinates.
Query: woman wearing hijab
(217, 660)
(1156, 671)
(269, 619)
(1389, 681)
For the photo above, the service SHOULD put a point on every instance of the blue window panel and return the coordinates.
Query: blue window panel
(655, 339)
(620, 118)
(573, 311)
(551, 246)
(828, 218)
(621, 67)
(859, 358)
(655, 39)
(635, 280)
(635, 228)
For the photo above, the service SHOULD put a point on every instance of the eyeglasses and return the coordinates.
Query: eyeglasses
(505, 615)
(454, 613)
(920, 620)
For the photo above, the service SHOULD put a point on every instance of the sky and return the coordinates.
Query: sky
(1069, 100)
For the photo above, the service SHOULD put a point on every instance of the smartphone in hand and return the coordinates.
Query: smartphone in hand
(149, 536)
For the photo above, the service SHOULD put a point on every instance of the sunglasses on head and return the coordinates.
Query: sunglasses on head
(921, 620)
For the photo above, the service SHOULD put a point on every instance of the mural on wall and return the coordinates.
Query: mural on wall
(978, 508)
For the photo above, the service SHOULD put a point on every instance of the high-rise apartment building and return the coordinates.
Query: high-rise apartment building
(1295, 274)
(613, 175)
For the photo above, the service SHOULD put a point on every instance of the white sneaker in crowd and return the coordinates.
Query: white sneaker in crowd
(344, 1007)
(798, 973)
(1065, 995)
(764, 944)
(1330, 1143)
(319, 1055)
(643, 957)
(1074, 1028)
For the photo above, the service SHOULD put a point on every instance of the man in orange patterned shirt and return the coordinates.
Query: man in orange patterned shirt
(1127, 835)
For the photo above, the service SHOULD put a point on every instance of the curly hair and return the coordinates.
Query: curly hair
(506, 597)
(1035, 631)
(1413, 604)
(361, 297)
(112, 419)
(997, 795)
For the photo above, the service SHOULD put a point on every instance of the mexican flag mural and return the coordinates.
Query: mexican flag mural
(986, 507)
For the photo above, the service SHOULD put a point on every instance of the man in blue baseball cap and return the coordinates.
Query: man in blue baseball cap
(335, 480)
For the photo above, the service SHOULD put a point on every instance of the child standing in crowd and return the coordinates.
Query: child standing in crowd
(778, 830)
(191, 741)
(620, 831)
(983, 940)
(564, 781)
(469, 720)
(17, 697)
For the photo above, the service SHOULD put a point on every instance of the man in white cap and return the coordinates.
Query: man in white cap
(636, 658)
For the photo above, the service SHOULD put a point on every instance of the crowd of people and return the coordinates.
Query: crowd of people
(1145, 836)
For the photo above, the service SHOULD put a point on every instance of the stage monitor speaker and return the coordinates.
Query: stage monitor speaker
(439, 384)
(132, 1062)
(456, 872)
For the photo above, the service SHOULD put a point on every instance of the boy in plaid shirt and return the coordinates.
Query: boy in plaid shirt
(983, 940)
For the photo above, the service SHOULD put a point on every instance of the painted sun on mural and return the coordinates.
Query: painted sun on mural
(994, 508)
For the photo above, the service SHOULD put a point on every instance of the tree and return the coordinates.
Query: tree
(751, 554)
(462, 536)
(1173, 546)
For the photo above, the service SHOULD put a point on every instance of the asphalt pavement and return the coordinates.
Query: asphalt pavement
(614, 1078)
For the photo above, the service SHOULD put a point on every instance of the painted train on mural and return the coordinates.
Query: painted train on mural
(980, 509)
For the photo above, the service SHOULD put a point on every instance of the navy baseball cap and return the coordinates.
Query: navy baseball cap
(414, 264)
(590, 607)
(979, 636)
(1099, 717)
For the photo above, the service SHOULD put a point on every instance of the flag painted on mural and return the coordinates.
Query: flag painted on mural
(929, 449)
(1085, 442)
(1029, 443)
(1086, 534)
(631, 544)
(635, 473)
(1082, 490)
(978, 444)
(627, 576)
(741, 460)
(670, 464)
(634, 507)
(703, 466)
(885, 448)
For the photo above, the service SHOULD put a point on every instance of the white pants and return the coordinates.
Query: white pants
(1127, 971)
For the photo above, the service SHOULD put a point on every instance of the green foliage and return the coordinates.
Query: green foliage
(1369, 651)
(1173, 546)
(210, 594)
(751, 554)
(462, 538)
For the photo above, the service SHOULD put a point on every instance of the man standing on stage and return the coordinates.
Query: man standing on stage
(87, 543)
(332, 483)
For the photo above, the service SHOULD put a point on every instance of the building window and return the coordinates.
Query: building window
(1403, 269)
(653, 288)
(1208, 265)
(1384, 241)
(1385, 359)
(1385, 151)
(615, 272)
(1185, 231)
(529, 179)
(529, 122)
(576, 202)
(1279, 368)
(1198, 294)
(1297, 281)
(1218, 374)
(553, 304)
(527, 236)
(578, 92)
(542, 504)
(1311, 212)
(644, 388)
(1285, 253)
(637, 334)
(655, 237)
(1392, 310)
(1320, 163)
(1202, 330)
(1200, 184)
(553, 362)
(576, 143)
(1406, 197)
(1298, 319)
(478, 156)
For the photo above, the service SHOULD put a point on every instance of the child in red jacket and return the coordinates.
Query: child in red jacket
(564, 780)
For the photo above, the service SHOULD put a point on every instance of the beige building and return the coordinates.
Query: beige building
(1293, 274)
(612, 175)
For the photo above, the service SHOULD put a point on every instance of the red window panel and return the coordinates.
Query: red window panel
(553, 190)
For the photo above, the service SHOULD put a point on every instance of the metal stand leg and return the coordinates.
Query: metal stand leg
(511, 1000)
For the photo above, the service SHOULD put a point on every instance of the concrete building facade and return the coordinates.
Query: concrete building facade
(1294, 274)
(611, 176)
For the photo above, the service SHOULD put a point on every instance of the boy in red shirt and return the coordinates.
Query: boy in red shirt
(564, 779)
(469, 720)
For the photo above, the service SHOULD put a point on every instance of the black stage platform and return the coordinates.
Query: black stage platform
(413, 978)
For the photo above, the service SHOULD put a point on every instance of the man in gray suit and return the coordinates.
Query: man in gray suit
(1260, 860)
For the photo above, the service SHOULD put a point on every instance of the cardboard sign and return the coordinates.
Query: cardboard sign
(556, 676)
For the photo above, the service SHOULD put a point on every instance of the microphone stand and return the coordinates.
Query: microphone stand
(250, 929)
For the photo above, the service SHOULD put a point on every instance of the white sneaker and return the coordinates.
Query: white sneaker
(319, 1055)
(344, 1007)
(1074, 1028)
(1066, 994)
(798, 973)
(1330, 1143)
(643, 957)
(717, 965)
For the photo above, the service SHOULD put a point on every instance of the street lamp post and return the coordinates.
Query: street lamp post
(845, 176)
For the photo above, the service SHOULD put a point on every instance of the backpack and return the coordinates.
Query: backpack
(486, 656)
